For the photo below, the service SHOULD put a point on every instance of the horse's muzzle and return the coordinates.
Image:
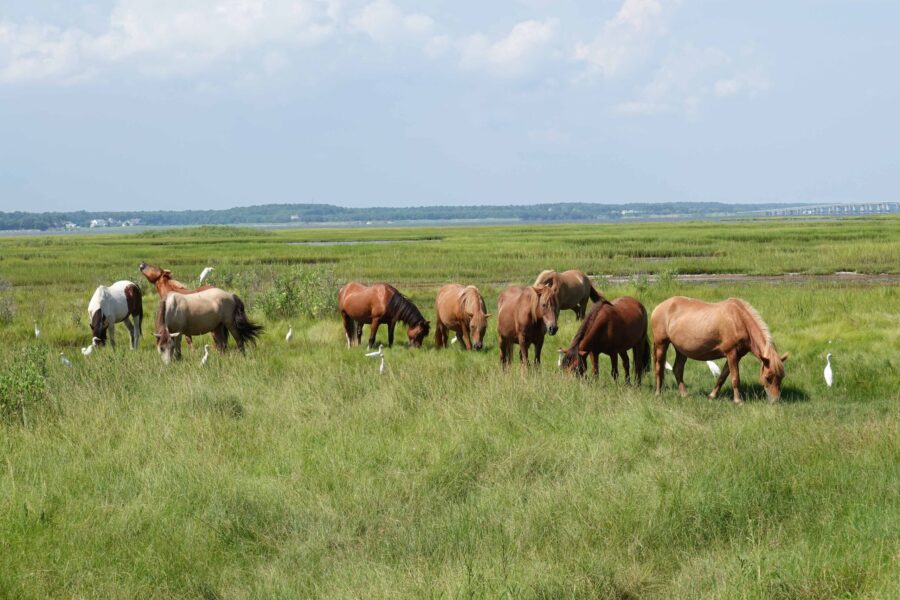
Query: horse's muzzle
(552, 329)
(142, 266)
(478, 345)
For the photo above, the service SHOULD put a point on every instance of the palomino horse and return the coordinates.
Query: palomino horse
(162, 279)
(115, 304)
(573, 288)
(377, 304)
(462, 310)
(611, 328)
(524, 315)
(704, 331)
(212, 310)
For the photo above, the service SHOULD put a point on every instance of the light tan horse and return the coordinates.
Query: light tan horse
(462, 310)
(573, 289)
(524, 315)
(213, 310)
(704, 331)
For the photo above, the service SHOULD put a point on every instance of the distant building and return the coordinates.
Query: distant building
(69, 225)
(131, 222)
(99, 223)
(295, 217)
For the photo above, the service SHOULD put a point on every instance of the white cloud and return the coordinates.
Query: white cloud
(384, 21)
(526, 45)
(689, 78)
(160, 37)
(626, 39)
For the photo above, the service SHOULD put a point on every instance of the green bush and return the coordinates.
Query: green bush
(300, 292)
(23, 384)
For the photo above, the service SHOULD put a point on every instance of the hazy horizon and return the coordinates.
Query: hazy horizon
(215, 104)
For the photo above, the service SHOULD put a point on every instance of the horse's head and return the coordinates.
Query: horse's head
(547, 307)
(771, 373)
(574, 360)
(477, 328)
(153, 273)
(99, 327)
(168, 345)
(418, 332)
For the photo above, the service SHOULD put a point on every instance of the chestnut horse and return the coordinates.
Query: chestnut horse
(213, 310)
(115, 304)
(162, 279)
(380, 303)
(573, 289)
(611, 328)
(704, 331)
(524, 315)
(462, 310)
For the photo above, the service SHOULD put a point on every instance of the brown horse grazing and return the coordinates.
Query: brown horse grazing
(704, 331)
(380, 303)
(462, 310)
(573, 288)
(162, 279)
(524, 315)
(213, 310)
(611, 328)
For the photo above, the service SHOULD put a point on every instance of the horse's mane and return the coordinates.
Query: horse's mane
(544, 275)
(402, 309)
(471, 300)
(770, 351)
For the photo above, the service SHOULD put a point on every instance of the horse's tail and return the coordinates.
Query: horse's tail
(249, 330)
(645, 360)
(595, 295)
(139, 309)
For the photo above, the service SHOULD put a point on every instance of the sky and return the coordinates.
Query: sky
(176, 104)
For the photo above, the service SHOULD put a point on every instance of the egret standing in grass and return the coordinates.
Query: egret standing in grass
(86, 351)
(713, 368)
(37, 330)
(381, 368)
(668, 366)
(559, 361)
(205, 273)
(290, 334)
(376, 353)
(829, 376)
(205, 355)
(64, 360)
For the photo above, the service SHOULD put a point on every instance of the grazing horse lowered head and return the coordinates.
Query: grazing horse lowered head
(611, 328)
(116, 304)
(210, 311)
(462, 310)
(380, 303)
(704, 331)
(524, 315)
(573, 289)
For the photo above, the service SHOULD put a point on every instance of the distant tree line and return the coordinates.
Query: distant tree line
(324, 213)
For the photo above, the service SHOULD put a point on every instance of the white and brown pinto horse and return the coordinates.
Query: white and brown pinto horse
(573, 289)
(704, 331)
(118, 303)
(462, 310)
(524, 315)
(210, 311)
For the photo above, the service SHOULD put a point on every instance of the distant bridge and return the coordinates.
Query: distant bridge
(833, 210)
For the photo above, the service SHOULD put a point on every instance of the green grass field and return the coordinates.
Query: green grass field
(296, 471)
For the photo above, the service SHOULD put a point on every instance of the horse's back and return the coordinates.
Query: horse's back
(447, 304)
(364, 302)
(198, 313)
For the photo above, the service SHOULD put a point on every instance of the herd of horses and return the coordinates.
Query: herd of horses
(525, 315)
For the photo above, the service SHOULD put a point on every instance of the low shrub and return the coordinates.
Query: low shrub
(299, 292)
(23, 384)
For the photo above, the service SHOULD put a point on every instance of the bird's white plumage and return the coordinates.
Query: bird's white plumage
(713, 368)
(37, 330)
(290, 334)
(205, 273)
(828, 374)
(205, 354)
(668, 366)
(455, 339)
(376, 353)
(559, 360)
(64, 360)
(381, 367)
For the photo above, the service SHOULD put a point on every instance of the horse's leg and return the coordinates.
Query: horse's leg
(349, 328)
(466, 336)
(238, 338)
(614, 362)
(523, 350)
(224, 332)
(504, 353)
(595, 363)
(719, 382)
(111, 335)
(626, 366)
(390, 327)
(538, 345)
(373, 331)
(130, 329)
(678, 370)
(733, 360)
(178, 348)
(359, 327)
(659, 351)
(439, 335)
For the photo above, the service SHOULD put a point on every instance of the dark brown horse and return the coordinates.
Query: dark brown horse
(611, 328)
(380, 303)
(524, 315)
(704, 331)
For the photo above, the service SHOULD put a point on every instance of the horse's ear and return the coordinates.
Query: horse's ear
(167, 272)
(785, 356)
(582, 352)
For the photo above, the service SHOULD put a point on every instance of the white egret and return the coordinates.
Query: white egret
(829, 376)
(376, 353)
(37, 330)
(86, 351)
(381, 368)
(559, 360)
(290, 334)
(205, 355)
(668, 366)
(455, 339)
(713, 368)
(205, 273)
(64, 360)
